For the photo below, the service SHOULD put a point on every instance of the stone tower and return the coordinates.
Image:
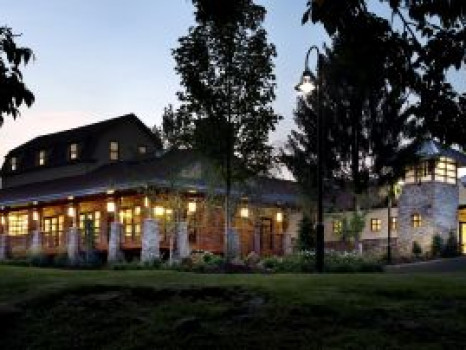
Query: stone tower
(429, 200)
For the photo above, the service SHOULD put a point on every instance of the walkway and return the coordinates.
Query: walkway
(440, 265)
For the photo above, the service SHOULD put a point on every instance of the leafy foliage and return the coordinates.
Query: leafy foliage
(13, 91)
(306, 234)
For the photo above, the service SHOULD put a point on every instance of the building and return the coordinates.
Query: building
(432, 202)
(112, 179)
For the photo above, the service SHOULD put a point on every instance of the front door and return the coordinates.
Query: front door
(462, 240)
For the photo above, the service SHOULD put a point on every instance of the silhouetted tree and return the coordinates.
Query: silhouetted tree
(226, 69)
(431, 37)
(13, 91)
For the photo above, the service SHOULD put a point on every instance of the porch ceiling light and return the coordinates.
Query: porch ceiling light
(191, 207)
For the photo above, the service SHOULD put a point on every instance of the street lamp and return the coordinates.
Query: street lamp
(306, 87)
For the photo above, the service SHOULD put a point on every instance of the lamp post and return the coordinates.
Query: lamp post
(306, 87)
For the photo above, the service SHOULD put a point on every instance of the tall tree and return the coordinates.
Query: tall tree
(433, 38)
(226, 68)
(13, 91)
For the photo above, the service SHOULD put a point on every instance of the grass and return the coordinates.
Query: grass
(64, 309)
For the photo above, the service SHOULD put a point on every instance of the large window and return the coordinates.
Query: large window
(376, 225)
(53, 229)
(114, 150)
(131, 221)
(93, 219)
(73, 151)
(421, 172)
(416, 220)
(17, 224)
(445, 170)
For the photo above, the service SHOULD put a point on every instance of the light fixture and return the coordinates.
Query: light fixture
(191, 207)
(111, 206)
(35, 215)
(110, 191)
(306, 86)
(244, 213)
(71, 212)
(159, 211)
(70, 198)
(279, 216)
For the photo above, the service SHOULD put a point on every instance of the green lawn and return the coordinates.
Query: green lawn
(61, 309)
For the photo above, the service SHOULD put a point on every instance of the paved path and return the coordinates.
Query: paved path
(440, 265)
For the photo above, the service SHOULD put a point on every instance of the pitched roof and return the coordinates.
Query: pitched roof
(56, 143)
(430, 149)
(160, 171)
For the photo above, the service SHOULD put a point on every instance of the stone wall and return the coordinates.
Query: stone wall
(436, 203)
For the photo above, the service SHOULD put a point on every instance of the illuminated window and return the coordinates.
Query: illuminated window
(42, 157)
(52, 227)
(416, 220)
(421, 172)
(337, 226)
(93, 219)
(142, 149)
(17, 224)
(131, 221)
(446, 170)
(394, 223)
(376, 225)
(14, 163)
(114, 150)
(73, 151)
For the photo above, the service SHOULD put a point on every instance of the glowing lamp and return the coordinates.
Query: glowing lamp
(111, 207)
(71, 212)
(191, 207)
(35, 215)
(244, 213)
(279, 216)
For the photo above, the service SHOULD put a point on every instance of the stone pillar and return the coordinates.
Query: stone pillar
(150, 251)
(72, 245)
(36, 243)
(114, 245)
(233, 245)
(437, 205)
(3, 247)
(182, 242)
(287, 247)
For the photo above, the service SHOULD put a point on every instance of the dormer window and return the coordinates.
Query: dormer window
(114, 150)
(42, 157)
(142, 149)
(14, 163)
(73, 151)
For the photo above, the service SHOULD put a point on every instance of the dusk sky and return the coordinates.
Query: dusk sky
(104, 58)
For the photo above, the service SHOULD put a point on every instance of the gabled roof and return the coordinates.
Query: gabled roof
(56, 143)
(431, 149)
(162, 172)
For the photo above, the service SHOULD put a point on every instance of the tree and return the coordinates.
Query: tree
(13, 91)
(431, 35)
(226, 68)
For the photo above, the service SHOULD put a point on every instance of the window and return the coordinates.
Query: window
(17, 224)
(114, 150)
(337, 226)
(445, 170)
(14, 163)
(142, 149)
(394, 223)
(73, 151)
(53, 229)
(42, 157)
(421, 172)
(93, 218)
(376, 225)
(131, 221)
(416, 220)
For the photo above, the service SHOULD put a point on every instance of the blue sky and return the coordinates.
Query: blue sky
(98, 59)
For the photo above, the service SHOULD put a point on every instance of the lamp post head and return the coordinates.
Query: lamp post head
(305, 86)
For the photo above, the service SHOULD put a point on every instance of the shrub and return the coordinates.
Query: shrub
(416, 249)
(437, 245)
(451, 246)
(306, 234)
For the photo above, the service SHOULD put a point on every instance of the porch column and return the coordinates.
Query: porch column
(3, 247)
(287, 247)
(257, 238)
(115, 253)
(72, 247)
(233, 244)
(150, 250)
(182, 243)
(36, 244)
